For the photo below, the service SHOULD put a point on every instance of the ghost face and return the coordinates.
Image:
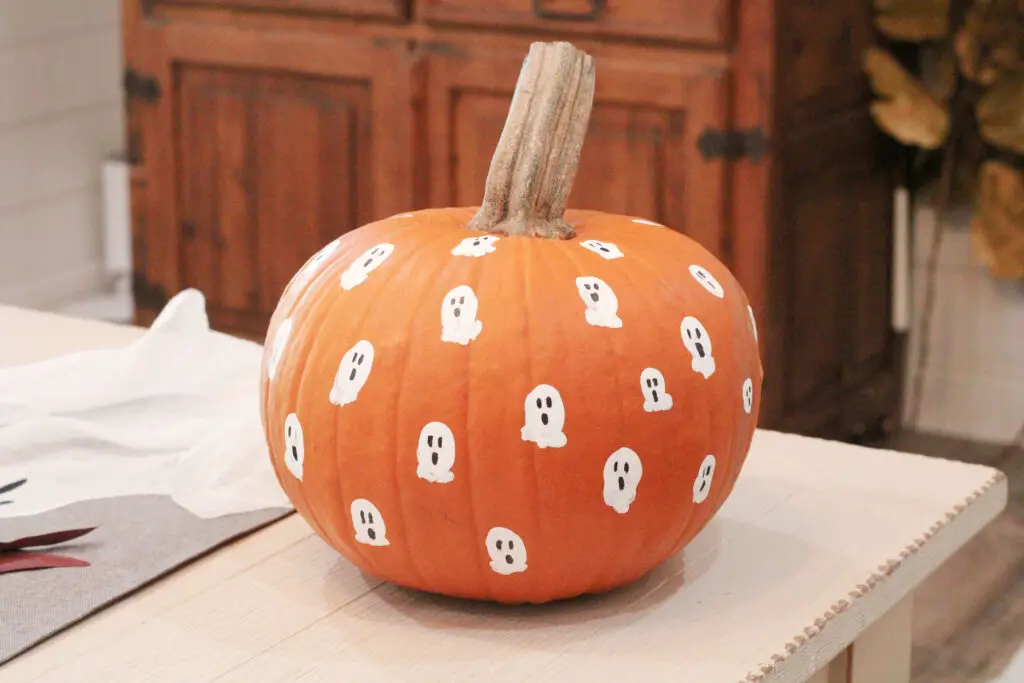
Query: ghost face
(622, 472)
(353, 371)
(707, 280)
(365, 264)
(435, 453)
(506, 550)
(698, 343)
(753, 323)
(652, 385)
(368, 523)
(458, 316)
(748, 395)
(606, 250)
(545, 417)
(284, 331)
(294, 445)
(702, 484)
(475, 246)
(601, 302)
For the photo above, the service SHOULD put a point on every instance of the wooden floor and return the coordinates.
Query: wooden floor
(969, 615)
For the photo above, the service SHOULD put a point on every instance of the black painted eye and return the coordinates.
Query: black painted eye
(549, 402)
(439, 442)
(615, 467)
(462, 299)
(540, 403)
(596, 286)
(586, 286)
(697, 332)
(648, 382)
(289, 430)
(689, 334)
(453, 301)
(362, 516)
(498, 544)
(370, 517)
(430, 440)
(511, 545)
(355, 355)
(625, 467)
(361, 357)
(655, 380)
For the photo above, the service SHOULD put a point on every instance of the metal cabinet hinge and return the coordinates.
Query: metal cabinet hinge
(140, 86)
(733, 145)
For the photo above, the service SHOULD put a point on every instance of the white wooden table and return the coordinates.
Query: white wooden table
(806, 574)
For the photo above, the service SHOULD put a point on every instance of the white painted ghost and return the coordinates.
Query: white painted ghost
(353, 371)
(475, 246)
(366, 263)
(545, 417)
(656, 396)
(281, 336)
(622, 473)
(458, 316)
(311, 266)
(707, 280)
(294, 445)
(606, 250)
(602, 304)
(698, 343)
(368, 523)
(705, 475)
(435, 453)
(748, 395)
(506, 550)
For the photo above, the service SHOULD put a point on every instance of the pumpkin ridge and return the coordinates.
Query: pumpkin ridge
(680, 296)
(290, 314)
(612, 337)
(383, 281)
(479, 532)
(424, 294)
(343, 302)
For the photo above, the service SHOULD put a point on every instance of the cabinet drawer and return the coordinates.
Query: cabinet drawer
(385, 9)
(707, 22)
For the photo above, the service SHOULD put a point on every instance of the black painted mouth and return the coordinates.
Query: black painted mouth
(544, 419)
(654, 395)
(700, 349)
(594, 297)
(622, 484)
(508, 559)
(372, 534)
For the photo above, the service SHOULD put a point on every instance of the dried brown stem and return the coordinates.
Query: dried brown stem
(535, 163)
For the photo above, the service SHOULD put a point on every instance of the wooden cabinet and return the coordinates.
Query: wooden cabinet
(261, 129)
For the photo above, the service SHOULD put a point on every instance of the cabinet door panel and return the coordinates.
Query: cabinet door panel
(268, 177)
(272, 146)
(640, 156)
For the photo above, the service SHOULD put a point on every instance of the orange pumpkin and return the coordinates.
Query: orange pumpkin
(516, 402)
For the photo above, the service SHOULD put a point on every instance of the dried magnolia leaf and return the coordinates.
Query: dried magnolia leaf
(906, 109)
(1001, 114)
(997, 229)
(912, 20)
(991, 40)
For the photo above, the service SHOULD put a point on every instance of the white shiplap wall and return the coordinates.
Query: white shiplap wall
(974, 383)
(61, 113)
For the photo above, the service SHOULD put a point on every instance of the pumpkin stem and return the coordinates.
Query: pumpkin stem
(535, 162)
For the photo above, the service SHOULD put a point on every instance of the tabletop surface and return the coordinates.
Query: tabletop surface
(817, 541)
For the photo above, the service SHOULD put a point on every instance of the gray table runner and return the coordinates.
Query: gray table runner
(138, 539)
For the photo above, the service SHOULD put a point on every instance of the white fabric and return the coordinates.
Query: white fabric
(175, 413)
